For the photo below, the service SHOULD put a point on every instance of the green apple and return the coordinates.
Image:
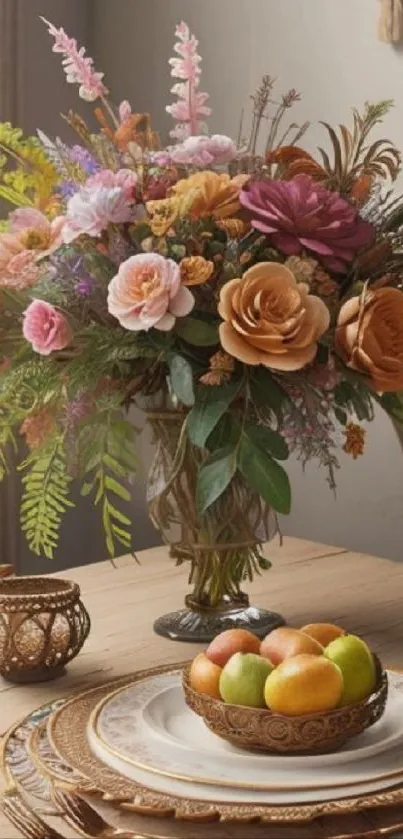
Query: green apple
(357, 665)
(243, 679)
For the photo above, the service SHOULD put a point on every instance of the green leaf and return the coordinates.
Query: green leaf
(181, 375)
(269, 440)
(264, 475)
(227, 431)
(111, 437)
(197, 332)
(45, 497)
(211, 404)
(352, 395)
(341, 416)
(117, 489)
(118, 515)
(214, 477)
(267, 393)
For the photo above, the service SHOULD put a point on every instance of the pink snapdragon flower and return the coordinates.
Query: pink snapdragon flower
(191, 106)
(147, 292)
(78, 67)
(124, 179)
(45, 328)
(92, 209)
(204, 151)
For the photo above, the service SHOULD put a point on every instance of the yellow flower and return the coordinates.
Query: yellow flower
(195, 270)
(214, 195)
(163, 214)
(271, 319)
(235, 228)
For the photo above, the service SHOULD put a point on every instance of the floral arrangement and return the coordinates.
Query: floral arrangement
(252, 286)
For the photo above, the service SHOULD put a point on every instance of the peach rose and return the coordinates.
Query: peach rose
(271, 319)
(147, 292)
(214, 195)
(369, 337)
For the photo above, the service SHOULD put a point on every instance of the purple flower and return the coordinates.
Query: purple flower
(301, 215)
(79, 154)
(68, 188)
(84, 287)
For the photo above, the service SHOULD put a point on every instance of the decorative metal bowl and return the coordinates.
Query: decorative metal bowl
(43, 625)
(259, 729)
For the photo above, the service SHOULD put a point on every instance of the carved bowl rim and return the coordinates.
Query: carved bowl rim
(339, 717)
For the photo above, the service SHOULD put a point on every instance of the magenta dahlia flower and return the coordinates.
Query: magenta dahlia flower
(301, 215)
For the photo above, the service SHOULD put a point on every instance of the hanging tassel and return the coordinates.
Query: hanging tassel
(391, 21)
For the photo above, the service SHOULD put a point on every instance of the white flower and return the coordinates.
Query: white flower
(91, 209)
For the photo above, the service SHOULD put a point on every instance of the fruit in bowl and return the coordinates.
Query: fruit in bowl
(229, 642)
(304, 684)
(286, 642)
(324, 633)
(205, 676)
(243, 680)
(339, 686)
(357, 665)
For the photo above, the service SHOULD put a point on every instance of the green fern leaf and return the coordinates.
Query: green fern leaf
(108, 459)
(45, 498)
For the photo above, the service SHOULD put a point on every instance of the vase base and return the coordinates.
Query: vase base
(201, 627)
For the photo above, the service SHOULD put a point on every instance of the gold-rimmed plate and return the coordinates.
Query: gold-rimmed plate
(384, 821)
(147, 727)
(67, 731)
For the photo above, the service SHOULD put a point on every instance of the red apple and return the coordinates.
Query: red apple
(285, 642)
(232, 641)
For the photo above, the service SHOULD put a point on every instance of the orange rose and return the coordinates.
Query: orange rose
(369, 337)
(195, 270)
(271, 319)
(214, 195)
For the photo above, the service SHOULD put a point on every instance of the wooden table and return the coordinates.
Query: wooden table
(308, 582)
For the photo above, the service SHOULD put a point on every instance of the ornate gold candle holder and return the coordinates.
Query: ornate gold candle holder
(43, 625)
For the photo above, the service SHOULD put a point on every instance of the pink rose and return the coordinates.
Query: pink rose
(45, 328)
(147, 292)
(125, 179)
(204, 151)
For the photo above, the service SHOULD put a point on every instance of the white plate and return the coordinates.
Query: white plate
(146, 732)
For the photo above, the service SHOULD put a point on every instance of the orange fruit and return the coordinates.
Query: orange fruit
(324, 633)
(304, 684)
(204, 676)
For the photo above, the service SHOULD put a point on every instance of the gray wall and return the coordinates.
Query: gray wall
(329, 51)
(42, 96)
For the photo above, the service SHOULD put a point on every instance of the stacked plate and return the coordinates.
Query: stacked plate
(131, 756)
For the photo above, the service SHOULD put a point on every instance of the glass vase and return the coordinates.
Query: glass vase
(222, 549)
